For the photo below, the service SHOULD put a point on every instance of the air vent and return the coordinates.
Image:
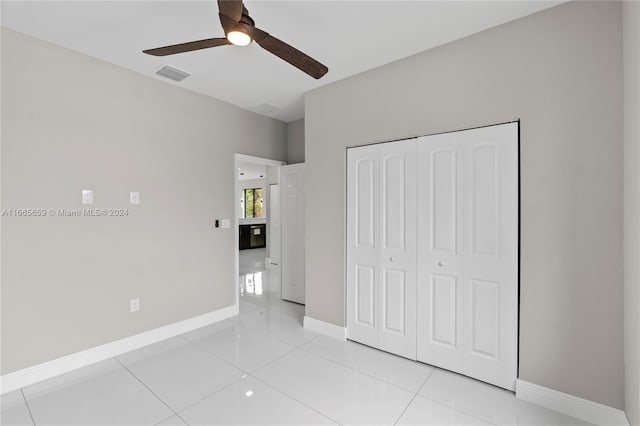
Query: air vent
(266, 109)
(172, 73)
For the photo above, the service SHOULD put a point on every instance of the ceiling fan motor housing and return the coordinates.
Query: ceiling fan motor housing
(246, 19)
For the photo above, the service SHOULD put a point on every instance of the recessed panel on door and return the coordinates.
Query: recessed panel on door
(443, 310)
(485, 313)
(485, 199)
(364, 206)
(393, 291)
(394, 202)
(444, 201)
(365, 295)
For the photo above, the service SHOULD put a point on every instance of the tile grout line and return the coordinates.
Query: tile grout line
(24, 398)
(427, 379)
(336, 363)
(293, 348)
(291, 397)
(489, 422)
(415, 394)
(148, 388)
(256, 330)
(202, 348)
(405, 408)
(274, 360)
(269, 335)
(173, 415)
(445, 405)
(195, 342)
(210, 395)
(249, 374)
(368, 374)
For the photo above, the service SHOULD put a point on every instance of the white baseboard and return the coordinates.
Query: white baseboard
(326, 328)
(583, 409)
(46, 370)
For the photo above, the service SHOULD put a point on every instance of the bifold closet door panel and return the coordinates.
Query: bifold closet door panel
(363, 241)
(398, 211)
(491, 252)
(468, 253)
(440, 265)
(381, 246)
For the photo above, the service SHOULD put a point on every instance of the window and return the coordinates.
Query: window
(251, 202)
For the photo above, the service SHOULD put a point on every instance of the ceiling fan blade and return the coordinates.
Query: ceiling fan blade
(187, 47)
(290, 54)
(231, 9)
(226, 22)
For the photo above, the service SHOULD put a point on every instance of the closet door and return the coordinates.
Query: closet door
(491, 253)
(397, 331)
(381, 246)
(363, 244)
(468, 253)
(440, 264)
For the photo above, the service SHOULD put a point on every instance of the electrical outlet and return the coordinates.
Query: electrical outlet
(135, 305)
(87, 196)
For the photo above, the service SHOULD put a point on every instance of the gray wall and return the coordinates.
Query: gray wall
(560, 72)
(295, 142)
(70, 122)
(631, 34)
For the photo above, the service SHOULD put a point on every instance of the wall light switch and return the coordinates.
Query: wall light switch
(134, 197)
(226, 223)
(87, 196)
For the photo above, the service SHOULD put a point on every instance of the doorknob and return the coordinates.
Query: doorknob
(441, 263)
(392, 259)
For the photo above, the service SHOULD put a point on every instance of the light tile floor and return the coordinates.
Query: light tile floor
(263, 367)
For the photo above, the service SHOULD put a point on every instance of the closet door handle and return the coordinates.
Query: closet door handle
(441, 263)
(392, 259)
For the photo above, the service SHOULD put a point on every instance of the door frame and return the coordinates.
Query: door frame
(519, 218)
(244, 158)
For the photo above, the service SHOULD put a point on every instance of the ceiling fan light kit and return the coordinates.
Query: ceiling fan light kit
(240, 30)
(239, 37)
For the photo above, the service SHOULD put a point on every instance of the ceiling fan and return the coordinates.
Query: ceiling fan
(240, 30)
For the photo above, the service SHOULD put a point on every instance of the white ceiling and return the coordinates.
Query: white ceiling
(348, 36)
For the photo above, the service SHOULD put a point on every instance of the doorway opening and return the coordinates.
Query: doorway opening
(255, 215)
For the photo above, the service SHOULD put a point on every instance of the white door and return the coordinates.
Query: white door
(363, 247)
(274, 224)
(381, 252)
(467, 289)
(292, 226)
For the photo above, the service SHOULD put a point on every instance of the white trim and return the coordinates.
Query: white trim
(583, 409)
(326, 328)
(46, 370)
